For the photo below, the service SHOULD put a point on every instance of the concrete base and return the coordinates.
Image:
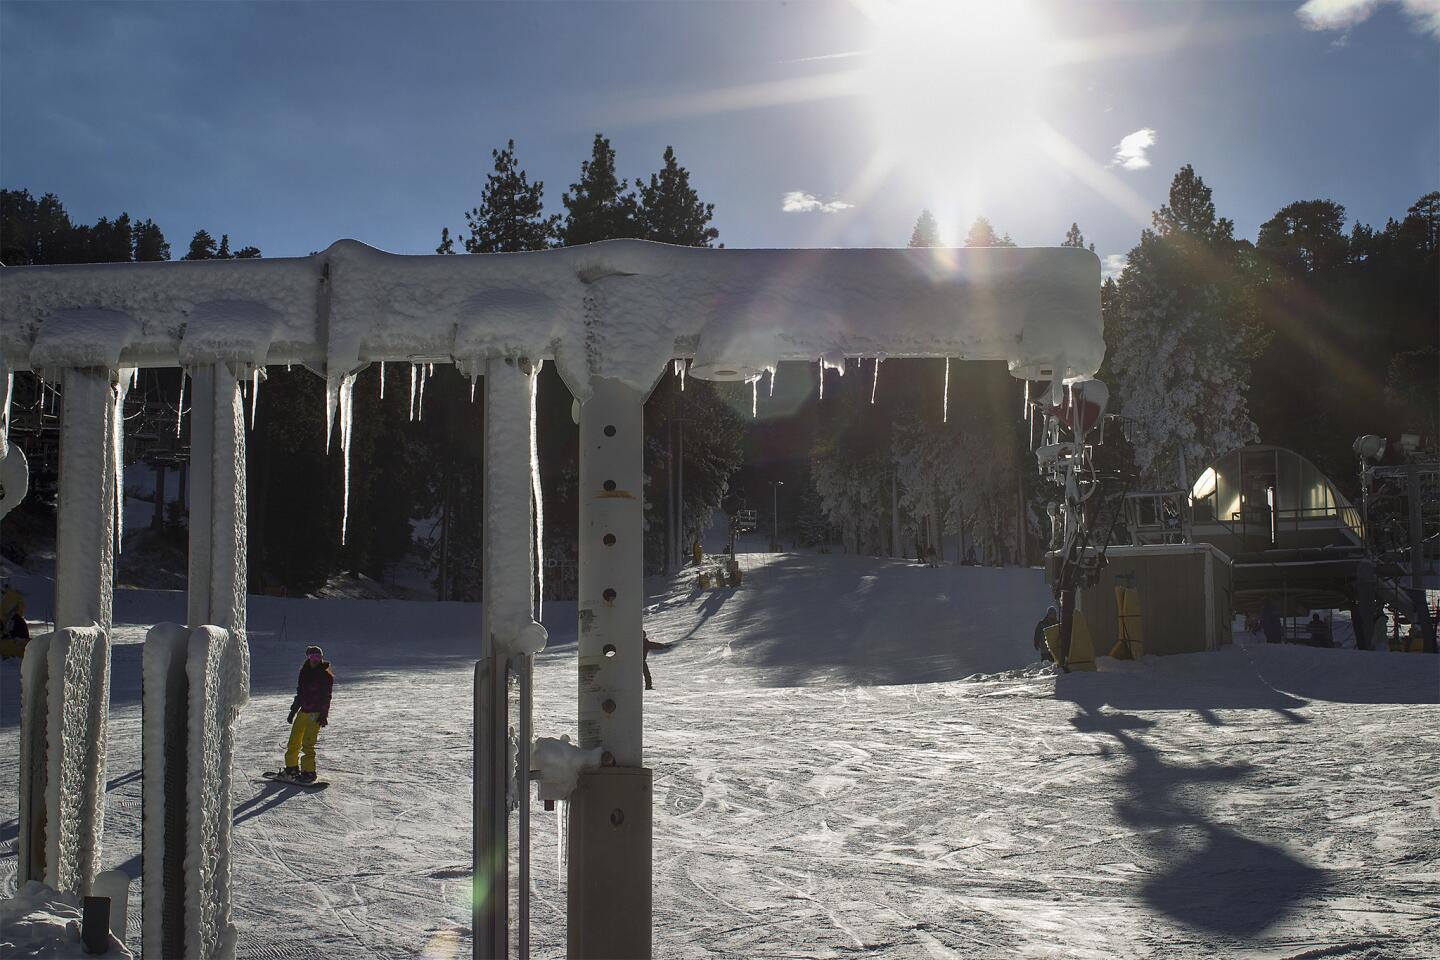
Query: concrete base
(610, 861)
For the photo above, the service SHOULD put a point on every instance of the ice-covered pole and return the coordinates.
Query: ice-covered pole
(217, 500)
(610, 817)
(85, 525)
(509, 603)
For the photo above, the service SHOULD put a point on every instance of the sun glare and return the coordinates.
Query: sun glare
(951, 85)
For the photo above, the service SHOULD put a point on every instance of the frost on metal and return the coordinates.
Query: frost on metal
(164, 715)
(195, 684)
(618, 309)
(64, 703)
(217, 672)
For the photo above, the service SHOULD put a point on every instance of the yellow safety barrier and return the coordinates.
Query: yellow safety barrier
(1082, 651)
(1131, 644)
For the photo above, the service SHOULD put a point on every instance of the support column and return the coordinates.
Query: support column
(85, 525)
(610, 817)
(508, 610)
(217, 501)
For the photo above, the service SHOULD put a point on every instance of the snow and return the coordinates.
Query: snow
(41, 922)
(619, 309)
(851, 755)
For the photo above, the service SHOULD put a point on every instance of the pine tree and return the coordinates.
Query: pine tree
(597, 207)
(149, 243)
(670, 211)
(202, 247)
(247, 253)
(1073, 237)
(1180, 337)
(510, 217)
(224, 252)
(926, 232)
(447, 242)
(982, 234)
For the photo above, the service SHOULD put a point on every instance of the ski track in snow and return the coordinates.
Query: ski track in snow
(809, 802)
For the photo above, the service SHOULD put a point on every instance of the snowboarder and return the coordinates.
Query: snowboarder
(645, 656)
(308, 713)
(1319, 631)
(1052, 617)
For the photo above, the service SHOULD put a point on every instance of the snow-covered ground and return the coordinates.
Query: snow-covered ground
(828, 782)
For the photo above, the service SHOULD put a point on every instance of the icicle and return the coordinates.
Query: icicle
(413, 376)
(472, 389)
(254, 395)
(822, 379)
(117, 452)
(754, 397)
(772, 379)
(420, 404)
(180, 404)
(5, 413)
(1026, 411)
(535, 493)
(945, 418)
(683, 368)
(347, 421)
(875, 384)
(382, 379)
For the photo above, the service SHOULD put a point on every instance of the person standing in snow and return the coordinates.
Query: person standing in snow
(1319, 631)
(308, 713)
(1051, 618)
(1270, 623)
(645, 656)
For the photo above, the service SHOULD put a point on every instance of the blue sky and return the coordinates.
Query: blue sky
(291, 125)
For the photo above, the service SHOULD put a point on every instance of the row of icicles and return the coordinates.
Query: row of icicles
(826, 364)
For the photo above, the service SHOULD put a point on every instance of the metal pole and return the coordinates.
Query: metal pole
(609, 878)
(216, 585)
(509, 564)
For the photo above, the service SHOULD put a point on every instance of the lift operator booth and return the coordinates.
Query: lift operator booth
(613, 317)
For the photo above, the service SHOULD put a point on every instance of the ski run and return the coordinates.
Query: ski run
(851, 757)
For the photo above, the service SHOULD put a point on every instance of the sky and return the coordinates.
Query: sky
(291, 125)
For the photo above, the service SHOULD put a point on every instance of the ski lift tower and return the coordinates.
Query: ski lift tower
(613, 317)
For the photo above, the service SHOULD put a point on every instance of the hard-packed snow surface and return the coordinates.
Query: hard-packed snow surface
(40, 922)
(829, 783)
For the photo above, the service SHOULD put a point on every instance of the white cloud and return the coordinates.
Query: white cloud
(1344, 14)
(1130, 151)
(798, 201)
(1113, 265)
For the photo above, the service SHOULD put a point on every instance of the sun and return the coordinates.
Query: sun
(952, 88)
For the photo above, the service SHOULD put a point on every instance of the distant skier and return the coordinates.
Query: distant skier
(1270, 623)
(645, 656)
(308, 713)
(1319, 631)
(1052, 617)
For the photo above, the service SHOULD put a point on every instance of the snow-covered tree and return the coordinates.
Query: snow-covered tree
(1180, 337)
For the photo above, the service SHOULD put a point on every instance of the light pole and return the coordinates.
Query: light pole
(775, 486)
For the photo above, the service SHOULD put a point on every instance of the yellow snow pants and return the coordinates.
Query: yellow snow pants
(303, 734)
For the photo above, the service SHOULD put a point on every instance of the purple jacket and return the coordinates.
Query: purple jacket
(312, 693)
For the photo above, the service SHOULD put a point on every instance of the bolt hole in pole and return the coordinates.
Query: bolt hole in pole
(608, 706)
(610, 430)
(609, 539)
(617, 817)
(608, 650)
(609, 594)
(609, 485)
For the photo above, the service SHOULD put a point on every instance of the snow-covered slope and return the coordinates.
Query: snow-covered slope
(814, 798)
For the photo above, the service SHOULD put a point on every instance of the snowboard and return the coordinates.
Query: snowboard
(271, 776)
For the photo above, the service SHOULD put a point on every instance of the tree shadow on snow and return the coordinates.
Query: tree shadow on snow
(1207, 876)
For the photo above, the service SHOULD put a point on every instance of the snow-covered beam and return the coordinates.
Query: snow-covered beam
(617, 309)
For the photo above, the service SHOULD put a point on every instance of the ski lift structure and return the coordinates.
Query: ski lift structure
(612, 317)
